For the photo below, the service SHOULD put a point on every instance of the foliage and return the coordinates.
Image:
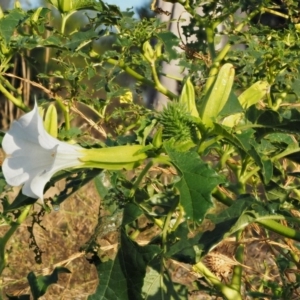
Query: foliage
(222, 157)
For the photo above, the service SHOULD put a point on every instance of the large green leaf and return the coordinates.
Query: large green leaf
(181, 246)
(224, 222)
(123, 277)
(135, 260)
(159, 286)
(112, 281)
(196, 183)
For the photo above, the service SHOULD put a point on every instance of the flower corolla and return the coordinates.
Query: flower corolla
(33, 156)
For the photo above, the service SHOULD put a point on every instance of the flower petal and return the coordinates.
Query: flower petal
(34, 156)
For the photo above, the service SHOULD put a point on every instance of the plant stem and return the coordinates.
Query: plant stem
(64, 18)
(236, 281)
(280, 229)
(228, 292)
(141, 78)
(14, 226)
(210, 38)
(17, 102)
(246, 177)
(216, 62)
(221, 197)
(140, 178)
(165, 230)
(158, 86)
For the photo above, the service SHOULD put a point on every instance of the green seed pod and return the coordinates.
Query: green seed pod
(148, 52)
(215, 101)
(158, 49)
(187, 97)
(65, 6)
(253, 94)
(157, 138)
(50, 122)
(35, 16)
(177, 123)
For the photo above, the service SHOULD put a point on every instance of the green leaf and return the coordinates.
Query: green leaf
(250, 146)
(264, 163)
(81, 38)
(158, 286)
(135, 260)
(296, 87)
(196, 183)
(9, 23)
(248, 217)
(228, 135)
(123, 278)
(131, 213)
(112, 281)
(103, 183)
(232, 106)
(224, 222)
(233, 211)
(169, 40)
(181, 247)
(40, 284)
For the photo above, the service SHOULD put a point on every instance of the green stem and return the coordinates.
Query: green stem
(158, 86)
(179, 218)
(3, 241)
(17, 102)
(140, 178)
(135, 234)
(210, 38)
(165, 230)
(236, 281)
(274, 12)
(141, 78)
(66, 111)
(280, 229)
(270, 102)
(222, 198)
(228, 292)
(246, 177)
(64, 18)
(7, 84)
(171, 76)
(67, 117)
(207, 143)
(216, 62)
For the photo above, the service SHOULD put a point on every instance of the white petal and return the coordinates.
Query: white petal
(34, 156)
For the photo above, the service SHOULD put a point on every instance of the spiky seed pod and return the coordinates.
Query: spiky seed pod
(177, 123)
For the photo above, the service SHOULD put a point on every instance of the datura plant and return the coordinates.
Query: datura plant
(182, 195)
(33, 156)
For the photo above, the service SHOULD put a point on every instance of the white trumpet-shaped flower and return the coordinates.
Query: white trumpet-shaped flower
(33, 156)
